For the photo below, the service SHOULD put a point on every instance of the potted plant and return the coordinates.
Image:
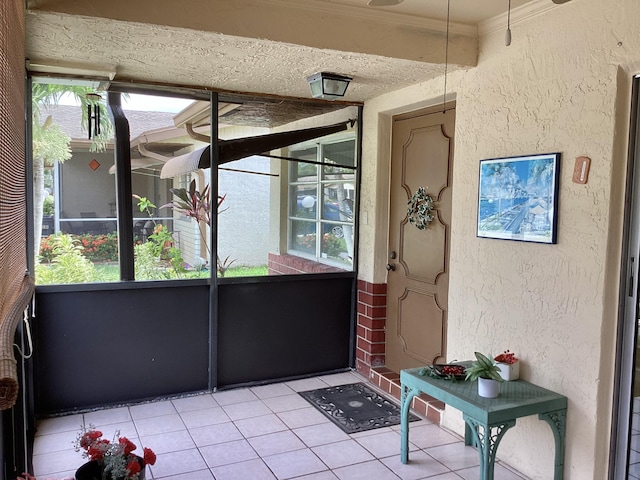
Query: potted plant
(488, 375)
(509, 365)
(110, 460)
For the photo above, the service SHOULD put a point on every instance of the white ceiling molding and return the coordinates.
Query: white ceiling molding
(518, 15)
(371, 14)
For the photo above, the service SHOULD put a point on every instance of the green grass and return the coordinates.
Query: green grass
(109, 272)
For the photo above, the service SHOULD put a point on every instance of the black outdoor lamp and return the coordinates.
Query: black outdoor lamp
(328, 85)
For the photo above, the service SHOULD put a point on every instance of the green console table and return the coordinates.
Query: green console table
(486, 419)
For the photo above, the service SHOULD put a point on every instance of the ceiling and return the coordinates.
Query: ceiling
(97, 38)
(470, 12)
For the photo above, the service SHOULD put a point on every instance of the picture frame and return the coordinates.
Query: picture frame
(518, 198)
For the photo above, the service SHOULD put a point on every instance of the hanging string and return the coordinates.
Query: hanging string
(446, 58)
(507, 36)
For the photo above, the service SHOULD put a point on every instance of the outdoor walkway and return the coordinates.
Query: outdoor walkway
(260, 433)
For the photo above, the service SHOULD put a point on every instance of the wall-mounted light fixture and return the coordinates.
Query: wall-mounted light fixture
(328, 85)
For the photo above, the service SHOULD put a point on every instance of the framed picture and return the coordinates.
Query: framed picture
(518, 198)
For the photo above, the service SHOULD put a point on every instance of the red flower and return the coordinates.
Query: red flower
(97, 449)
(128, 445)
(149, 457)
(133, 467)
(90, 437)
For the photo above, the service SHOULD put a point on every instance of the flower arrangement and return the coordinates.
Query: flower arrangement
(116, 458)
(509, 365)
(506, 357)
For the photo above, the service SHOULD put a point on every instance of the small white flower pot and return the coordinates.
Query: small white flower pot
(509, 371)
(488, 388)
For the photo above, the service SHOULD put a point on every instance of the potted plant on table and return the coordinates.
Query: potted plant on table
(111, 460)
(509, 365)
(488, 375)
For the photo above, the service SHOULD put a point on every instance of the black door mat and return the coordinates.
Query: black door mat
(355, 407)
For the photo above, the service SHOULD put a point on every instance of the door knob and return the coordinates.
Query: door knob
(392, 255)
(391, 266)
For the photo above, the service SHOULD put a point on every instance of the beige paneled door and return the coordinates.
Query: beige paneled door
(418, 263)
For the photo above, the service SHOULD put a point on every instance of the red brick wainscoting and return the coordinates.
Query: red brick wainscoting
(371, 322)
(290, 264)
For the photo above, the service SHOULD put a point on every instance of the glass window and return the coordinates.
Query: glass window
(321, 200)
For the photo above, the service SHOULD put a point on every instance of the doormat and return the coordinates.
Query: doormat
(355, 407)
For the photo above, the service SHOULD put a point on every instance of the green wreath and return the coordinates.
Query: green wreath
(420, 208)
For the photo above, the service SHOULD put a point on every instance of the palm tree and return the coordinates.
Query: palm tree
(50, 143)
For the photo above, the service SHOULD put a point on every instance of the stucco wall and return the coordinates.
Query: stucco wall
(561, 86)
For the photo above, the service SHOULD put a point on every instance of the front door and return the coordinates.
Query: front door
(418, 263)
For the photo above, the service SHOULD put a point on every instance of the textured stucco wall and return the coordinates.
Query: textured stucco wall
(563, 85)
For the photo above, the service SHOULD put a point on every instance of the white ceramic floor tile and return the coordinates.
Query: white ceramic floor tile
(382, 445)
(455, 456)
(169, 442)
(229, 397)
(341, 454)
(55, 442)
(154, 409)
(294, 464)
(275, 443)
(71, 423)
(124, 429)
(177, 463)
(196, 402)
(199, 475)
(341, 378)
(420, 466)
(100, 418)
(273, 390)
(227, 453)
(254, 427)
(302, 417)
(252, 469)
(320, 434)
(286, 402)
(427, 436)
(326, 475)
(157, 425)
(214, 434)
(306, 384)
(54, 463)
(239, 411)
(366, 471)
(200, 418)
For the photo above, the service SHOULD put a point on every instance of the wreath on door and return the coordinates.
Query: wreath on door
(420, 210)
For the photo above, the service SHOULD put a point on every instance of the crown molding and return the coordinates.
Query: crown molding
(371, 14)
(520, 14)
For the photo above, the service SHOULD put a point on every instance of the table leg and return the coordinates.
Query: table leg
(406, 395)
(487, 442)
(557, 421)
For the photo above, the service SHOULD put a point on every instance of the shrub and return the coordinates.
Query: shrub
(97, 248)
(68, 265)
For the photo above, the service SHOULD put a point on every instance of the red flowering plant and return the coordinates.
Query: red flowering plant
(506, 357)
(116, 457)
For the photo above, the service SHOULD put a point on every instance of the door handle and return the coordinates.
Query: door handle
(391, 266)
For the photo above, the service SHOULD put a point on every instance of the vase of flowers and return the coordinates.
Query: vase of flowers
(509, 365)
(111, 460)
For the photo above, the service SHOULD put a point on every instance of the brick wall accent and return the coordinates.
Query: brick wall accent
(371, 324)
(290, 264)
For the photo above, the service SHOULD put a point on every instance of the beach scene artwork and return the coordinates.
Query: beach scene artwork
(518, 198)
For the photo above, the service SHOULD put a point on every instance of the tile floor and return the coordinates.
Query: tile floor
(260, 433)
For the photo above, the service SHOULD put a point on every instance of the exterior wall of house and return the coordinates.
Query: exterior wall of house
(563, 85)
